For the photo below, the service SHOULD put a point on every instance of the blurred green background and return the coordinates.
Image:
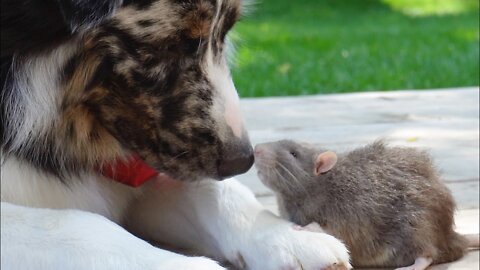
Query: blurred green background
(293, 47)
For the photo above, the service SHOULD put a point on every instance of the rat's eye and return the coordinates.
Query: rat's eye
(293, 154)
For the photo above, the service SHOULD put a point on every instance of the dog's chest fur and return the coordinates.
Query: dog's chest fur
(24, 185)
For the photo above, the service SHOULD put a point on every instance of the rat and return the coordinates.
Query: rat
(387, 204)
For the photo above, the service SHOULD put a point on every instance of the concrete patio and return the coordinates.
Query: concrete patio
(446, 122)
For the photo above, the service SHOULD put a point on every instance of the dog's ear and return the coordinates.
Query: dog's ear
(32, 25)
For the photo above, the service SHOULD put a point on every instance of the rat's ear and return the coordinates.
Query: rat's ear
(325, 162)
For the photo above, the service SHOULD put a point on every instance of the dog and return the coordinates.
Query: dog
(88, 83)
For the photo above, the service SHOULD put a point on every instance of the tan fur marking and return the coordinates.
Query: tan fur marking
(91, 143)
(82, 74)
(199, 20)
(150, 104)
(91, 151)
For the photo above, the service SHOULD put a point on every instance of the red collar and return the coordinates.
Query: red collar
(133, 172)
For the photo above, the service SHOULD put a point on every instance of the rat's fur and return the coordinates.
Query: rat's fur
(386, 203)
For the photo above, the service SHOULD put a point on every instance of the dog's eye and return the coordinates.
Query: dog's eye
(294, 154)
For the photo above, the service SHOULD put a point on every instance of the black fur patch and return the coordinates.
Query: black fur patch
(31, 26)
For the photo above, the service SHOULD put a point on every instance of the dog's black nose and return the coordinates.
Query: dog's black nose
(236, 163)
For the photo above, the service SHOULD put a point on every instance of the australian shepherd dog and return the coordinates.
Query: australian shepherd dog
(90, 83)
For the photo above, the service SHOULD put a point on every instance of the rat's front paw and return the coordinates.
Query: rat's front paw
(284, 247)
(312, 227)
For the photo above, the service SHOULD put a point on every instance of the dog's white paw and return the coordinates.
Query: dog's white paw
(190, 263)
(282, 247)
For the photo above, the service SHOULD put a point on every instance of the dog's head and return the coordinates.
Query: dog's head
(150, 78)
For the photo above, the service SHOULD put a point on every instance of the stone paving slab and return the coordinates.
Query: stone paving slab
(445, 122)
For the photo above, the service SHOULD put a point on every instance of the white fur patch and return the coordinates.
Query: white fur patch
(24, 185)
(41, 239)
(226, 103)
(33, 103)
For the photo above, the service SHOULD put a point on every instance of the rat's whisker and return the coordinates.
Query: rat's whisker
(302, 171)
(295, 184)
(295, 179)
(303, 174)
(284, 180)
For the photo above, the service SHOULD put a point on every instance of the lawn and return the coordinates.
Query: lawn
(287, 47)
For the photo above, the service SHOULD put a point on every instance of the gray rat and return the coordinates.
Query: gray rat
(387, 204)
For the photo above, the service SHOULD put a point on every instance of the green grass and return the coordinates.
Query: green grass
(287, 47)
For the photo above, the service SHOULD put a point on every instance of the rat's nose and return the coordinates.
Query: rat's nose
(258, 150)
(236, 163)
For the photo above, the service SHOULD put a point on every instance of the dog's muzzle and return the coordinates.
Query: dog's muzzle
(237, 158)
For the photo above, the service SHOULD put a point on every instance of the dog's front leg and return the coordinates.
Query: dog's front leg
(33, 238)
(225, 221)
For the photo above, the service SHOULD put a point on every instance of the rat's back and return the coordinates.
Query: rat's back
(377, 159)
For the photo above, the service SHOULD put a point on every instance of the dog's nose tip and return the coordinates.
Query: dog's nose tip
(235, 165)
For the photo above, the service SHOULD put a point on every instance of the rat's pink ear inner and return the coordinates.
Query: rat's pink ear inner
(325, 162)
